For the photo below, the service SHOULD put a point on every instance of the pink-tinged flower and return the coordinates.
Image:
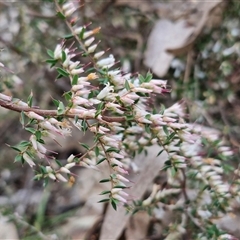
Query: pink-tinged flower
(175, 110)
(114, 107)
(120, 170)
(157, 119)
(119, 198)
(115, 161)
(81, 101)
(28, 159)
(5, 97)
(116, 155)
(141, 90)
(176, 125)
(60, 177)
(121, 178)
(108, 89)
(48, 126)
(34, 115)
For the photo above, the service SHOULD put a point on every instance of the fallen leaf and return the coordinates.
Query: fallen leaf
(165, 35)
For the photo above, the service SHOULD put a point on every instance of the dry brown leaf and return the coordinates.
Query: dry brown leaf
(165, 35)
(169, 39)
(115, 221)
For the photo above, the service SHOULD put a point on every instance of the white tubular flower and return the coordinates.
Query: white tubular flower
(88, 42)
(58, 52)
(73, 65)
(64, 170)
(70, 11)
(33, 140)
(66, 62)
(34, 115)
(108, 89)
(78, 30)
(76, 71)
(98, 54)
(106, 61)
(28, 159)
(115, 161)
(70, 165)
(60, 177)
(70, 158)
(116, 155)
(52, 176)
(49, 169)
(48, 126)
(92, 48)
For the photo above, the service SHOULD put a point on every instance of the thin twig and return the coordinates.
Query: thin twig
(53, 113)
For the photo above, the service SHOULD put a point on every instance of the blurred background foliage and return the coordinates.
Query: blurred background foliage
(206, 74)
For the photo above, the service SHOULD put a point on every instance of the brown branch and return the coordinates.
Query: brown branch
(52, 113)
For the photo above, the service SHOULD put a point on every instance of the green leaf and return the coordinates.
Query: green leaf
(68, 36)
(105, 180)
(52, 61)
(62, 72)
(104, 200)
(82, 33)
(30, 99)
(127, 86)
(97, 151)
(85, 146)
(119, 186)
(148, 77)
(75, 80)
(60, 15)
(31, 130)
(38, 135)
(19, 158)
(114, 203)
(43, 169)
(101, 160)
(105, 192)
(141, 78)
(160, 152)
(58, 163)
(162, 109)
(165, 129)
(50, 53)
(84, 126)
(55, 102)
(22, 118)
(68, 96)
(64, 56)
(61, 108)
(112, 149)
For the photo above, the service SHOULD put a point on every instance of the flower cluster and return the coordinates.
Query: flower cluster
(116, 108)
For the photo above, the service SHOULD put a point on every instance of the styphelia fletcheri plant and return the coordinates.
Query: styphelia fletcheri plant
(119, 114)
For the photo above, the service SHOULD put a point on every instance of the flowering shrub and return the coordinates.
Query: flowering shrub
(119, 113)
